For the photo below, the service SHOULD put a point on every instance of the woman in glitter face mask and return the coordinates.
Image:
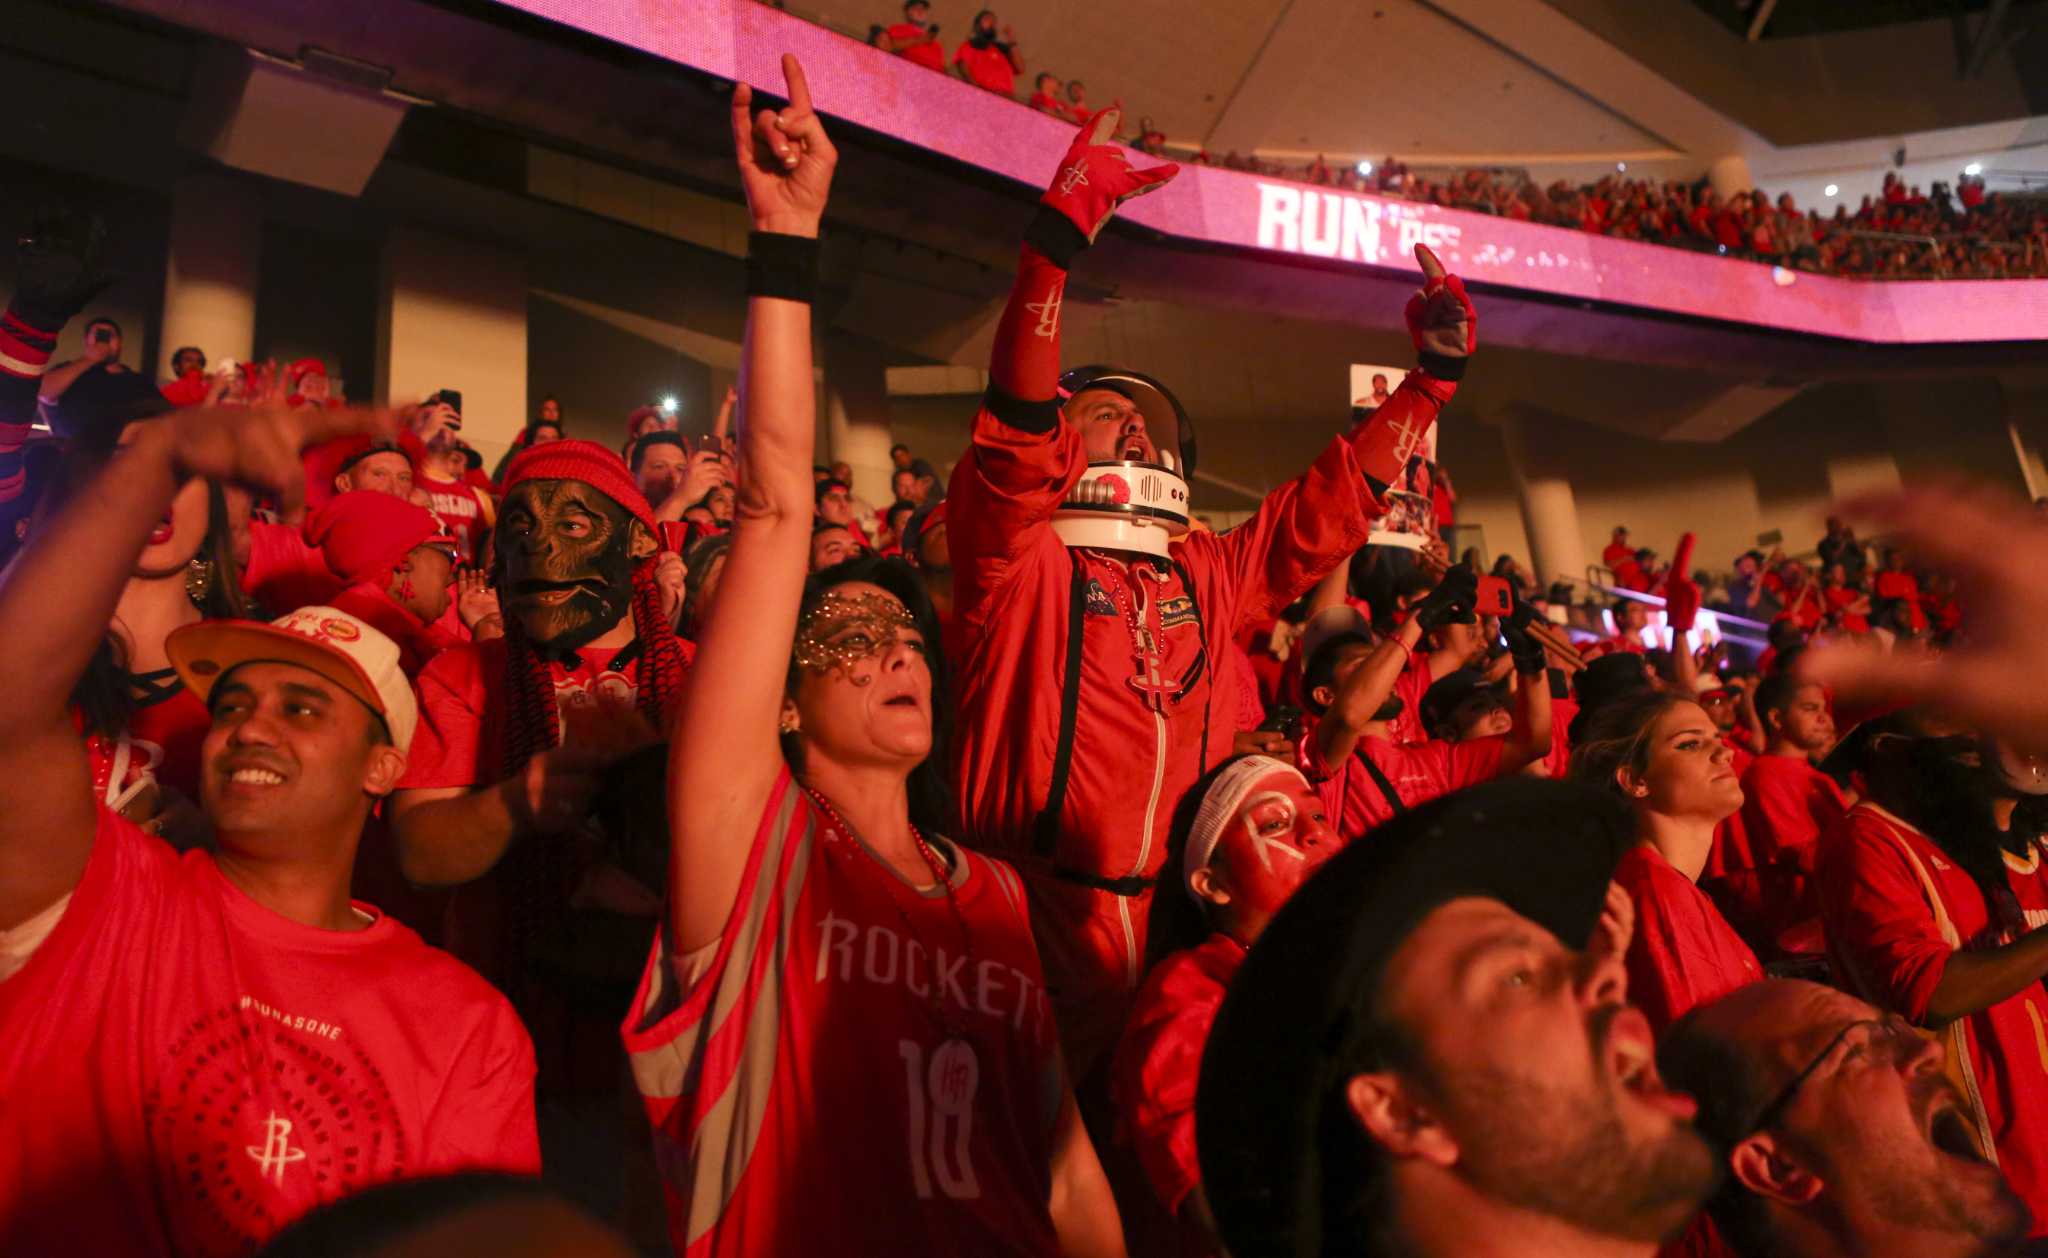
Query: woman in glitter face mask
(842, 1037)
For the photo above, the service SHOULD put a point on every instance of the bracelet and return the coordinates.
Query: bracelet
(782, 266)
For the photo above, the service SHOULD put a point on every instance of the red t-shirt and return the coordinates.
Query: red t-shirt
(1881, 881)
(929, 53)
(1760, 873)
(1683, 953)
(1903, 587)
(851, 1068)
(465, 509)
(183, 1070)
(1413, 683)
(987, 67)
(1418, 772)
(460, 740)
(1615, 554)
(1840, 597)
(284, 572)
(1152, 1079)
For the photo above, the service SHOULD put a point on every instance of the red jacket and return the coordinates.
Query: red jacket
(1014, 582)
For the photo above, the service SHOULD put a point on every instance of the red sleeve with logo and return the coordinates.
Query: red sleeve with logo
(1683, 953)
(243, 1068)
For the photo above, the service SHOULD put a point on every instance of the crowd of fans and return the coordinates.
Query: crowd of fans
(1964, 232)
(1016, 868)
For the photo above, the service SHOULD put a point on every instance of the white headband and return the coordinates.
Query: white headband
(1225, 795)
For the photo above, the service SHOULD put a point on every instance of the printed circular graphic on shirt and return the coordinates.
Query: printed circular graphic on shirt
(258, 1115)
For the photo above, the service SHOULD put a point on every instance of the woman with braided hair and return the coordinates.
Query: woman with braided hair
(842, 1036)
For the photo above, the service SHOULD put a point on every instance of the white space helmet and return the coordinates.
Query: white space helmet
(1122, 504)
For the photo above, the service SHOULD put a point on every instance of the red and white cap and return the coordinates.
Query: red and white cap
(322, 640)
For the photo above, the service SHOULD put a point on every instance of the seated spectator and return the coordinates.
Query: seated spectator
(1346, 1105)
(986, 61)
(1150, 139)
(1847, 608)
(187, 360)
(916, 37)
(1077, 103)
(396, 567)
(893, 522)
(1045, 97)
(1761, 874)
(1799, 1088)
(1631, 617)
(1895, 594)
(673, 480)
(917, 483)
(832, 544)
(1660, 755)
(306, 384)
(1250, 833)
(354, 1054)
(1930, 889)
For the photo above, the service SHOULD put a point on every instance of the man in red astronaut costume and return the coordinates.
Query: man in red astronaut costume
(1090, 617)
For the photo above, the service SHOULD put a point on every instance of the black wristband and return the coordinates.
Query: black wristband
(782, 266)
(1442, 366)
(1033, 417)
(1054, 235)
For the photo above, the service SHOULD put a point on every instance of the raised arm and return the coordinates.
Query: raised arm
(1528, 738)
(1362, 694)
(718, 784)
(1023, 458)
(59, 593)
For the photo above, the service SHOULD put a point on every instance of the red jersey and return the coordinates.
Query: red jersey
(1683, 953)
(1905, 589)
(1897, 907)
(1413, 683)
(1152, 1080)
(461, 735)
(1417, 772)
(851, 1068)
(467, 510)
(1760, 872)
(284, 573)
(183, 1070)
(928, 52)
(1616, 554)
(987, 67)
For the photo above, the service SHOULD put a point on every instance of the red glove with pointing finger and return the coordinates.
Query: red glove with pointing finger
(1441, 321)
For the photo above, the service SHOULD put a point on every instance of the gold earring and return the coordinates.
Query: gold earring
(198, 580)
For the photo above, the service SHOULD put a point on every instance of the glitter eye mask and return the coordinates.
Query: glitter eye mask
(841, 631)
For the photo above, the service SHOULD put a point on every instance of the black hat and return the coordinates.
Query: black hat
(1449, 692)
(1295, 1024)
(101, 402)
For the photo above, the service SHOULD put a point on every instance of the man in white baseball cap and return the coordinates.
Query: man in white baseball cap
(197, 1048)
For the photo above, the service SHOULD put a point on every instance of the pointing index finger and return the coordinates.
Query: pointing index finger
(799, 86)
(1432, 270)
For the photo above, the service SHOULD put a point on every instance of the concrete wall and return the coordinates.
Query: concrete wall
(454, 316)
(601, 374)
(316, 297)
(1781, 473)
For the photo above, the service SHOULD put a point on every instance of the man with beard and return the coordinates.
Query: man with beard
(1430, 1051)
(1347, 745)
(1091, 616)
(514, 731)
(1931, 890)
(1840, 1133)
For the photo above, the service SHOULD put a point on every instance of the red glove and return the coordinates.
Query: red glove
(1095, 177)
(1441, 321)
(1681, 601)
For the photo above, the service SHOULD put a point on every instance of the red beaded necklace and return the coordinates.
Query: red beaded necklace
(937, 865)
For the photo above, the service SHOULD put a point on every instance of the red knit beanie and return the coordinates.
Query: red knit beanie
(588, 462)
(365, 535)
